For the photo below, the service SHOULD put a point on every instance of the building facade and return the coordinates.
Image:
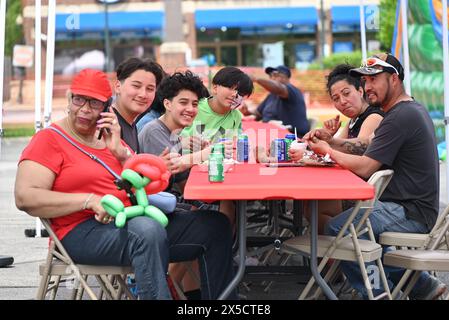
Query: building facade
(227, 32)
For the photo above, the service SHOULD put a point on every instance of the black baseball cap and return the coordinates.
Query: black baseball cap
(281, 69)
(378, 63)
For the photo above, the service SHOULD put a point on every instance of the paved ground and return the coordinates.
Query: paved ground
(20, 281)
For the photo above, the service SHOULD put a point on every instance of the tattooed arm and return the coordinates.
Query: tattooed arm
(358, 146)
(355, 146)
(363, 166)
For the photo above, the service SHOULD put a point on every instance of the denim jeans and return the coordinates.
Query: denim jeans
(385, 216)
(146, 246)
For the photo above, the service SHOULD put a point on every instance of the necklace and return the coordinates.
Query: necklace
(352, 122)
(88, 143)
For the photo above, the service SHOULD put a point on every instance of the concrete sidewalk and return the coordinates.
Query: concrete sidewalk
(20, 281)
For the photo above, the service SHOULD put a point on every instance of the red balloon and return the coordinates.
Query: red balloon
(152, 167)
(152, 173)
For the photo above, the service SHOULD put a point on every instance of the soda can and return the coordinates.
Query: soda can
(242, 148)
(289, 138)
(216, 168)
(222, 142)
(277, 149)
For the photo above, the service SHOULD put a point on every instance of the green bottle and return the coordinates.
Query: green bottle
(216, 170)
(219, 147)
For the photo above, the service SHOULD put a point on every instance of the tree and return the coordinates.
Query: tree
(14, 32)
(387, 23)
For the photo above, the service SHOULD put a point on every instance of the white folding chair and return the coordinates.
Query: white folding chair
(433, 255)
(416, 240)
(347, 246)
(59, 267)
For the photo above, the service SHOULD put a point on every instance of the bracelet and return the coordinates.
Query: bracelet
(87, 201)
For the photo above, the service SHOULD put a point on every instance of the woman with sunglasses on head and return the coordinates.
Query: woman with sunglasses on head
(57, 182)
(348, 96)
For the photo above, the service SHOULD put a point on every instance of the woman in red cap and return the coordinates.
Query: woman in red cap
(56, 181)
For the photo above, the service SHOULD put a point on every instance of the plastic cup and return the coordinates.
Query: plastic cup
(301, 146)
(295, 145)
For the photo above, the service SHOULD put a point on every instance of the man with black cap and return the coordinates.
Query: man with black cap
(285, 102)
(404, 142)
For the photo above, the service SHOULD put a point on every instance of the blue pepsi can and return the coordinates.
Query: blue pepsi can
(278, 149)
(242, 148)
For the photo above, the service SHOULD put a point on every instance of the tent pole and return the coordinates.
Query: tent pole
(2, 61)
(446, 87)
(37, 81)
(49, 62)
(404, 6)
(363, 30)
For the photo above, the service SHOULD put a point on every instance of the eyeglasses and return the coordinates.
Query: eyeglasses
(94, 104)
(371, 62)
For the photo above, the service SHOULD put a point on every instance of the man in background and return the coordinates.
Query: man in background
(284, 103)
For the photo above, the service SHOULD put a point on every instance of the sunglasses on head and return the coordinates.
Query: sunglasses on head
(371, 62)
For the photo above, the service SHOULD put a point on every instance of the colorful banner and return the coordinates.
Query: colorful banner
(396, 46)
(436, 11)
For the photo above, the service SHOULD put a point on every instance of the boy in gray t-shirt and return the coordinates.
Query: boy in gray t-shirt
(156, 136)
(180, 94)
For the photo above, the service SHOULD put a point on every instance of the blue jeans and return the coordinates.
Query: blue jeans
(386, 216)
(146, 246)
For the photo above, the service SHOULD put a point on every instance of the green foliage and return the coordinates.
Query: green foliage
(387, 23)
(14, 33)
(18, 132)
(329, 62)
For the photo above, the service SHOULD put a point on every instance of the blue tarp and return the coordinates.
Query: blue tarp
(255, 17)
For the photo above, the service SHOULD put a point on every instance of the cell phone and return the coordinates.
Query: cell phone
(105, 109)
(236, 102)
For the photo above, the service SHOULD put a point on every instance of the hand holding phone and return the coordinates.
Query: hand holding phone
(105, 109)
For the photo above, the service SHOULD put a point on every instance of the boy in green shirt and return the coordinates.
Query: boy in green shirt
(217, 115)
(218, 118)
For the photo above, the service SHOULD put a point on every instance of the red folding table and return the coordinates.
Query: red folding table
(258, 182)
